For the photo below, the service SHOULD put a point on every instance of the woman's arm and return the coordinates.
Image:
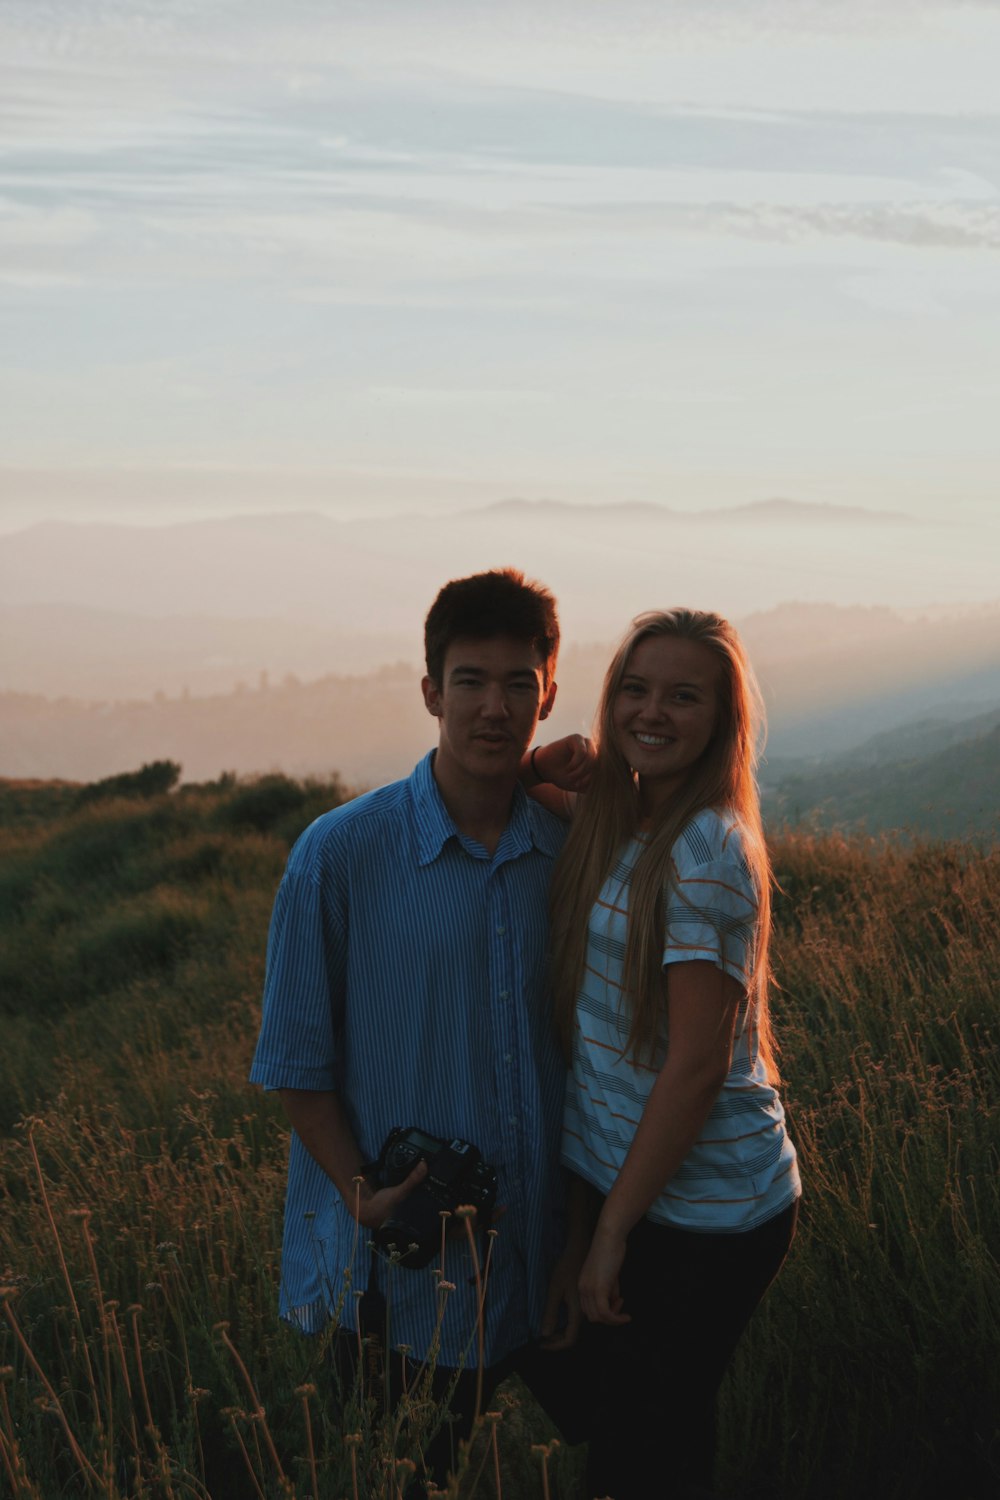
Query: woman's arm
(554, 774)
(702, 1003)
(582, 1204)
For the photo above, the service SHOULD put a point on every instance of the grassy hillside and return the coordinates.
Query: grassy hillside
(142, 1179)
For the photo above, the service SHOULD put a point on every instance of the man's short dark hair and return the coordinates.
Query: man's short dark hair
(501, 602)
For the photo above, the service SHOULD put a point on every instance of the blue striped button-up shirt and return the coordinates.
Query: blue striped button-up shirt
(406, 970)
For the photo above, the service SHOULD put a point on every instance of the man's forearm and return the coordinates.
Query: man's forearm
(321, 1124)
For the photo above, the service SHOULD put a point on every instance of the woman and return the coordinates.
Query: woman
(685, 1183)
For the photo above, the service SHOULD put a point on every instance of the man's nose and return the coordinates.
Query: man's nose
(495, 704)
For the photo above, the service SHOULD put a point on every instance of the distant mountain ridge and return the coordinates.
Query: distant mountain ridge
(832, 675)
(919, 739)
(81, 651)
(604, 564)
(776, 509)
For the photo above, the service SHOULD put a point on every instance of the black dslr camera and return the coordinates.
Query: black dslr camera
(456, 1175)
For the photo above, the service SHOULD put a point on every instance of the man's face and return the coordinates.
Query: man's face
(489, 701)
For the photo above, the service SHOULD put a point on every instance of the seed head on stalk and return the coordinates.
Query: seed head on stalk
(304, 1392)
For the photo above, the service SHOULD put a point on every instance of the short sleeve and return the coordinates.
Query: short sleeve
(711, 915)
(298, 1046)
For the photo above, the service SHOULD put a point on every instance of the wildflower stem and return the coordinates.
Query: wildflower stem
(105, 1346)
(151, 1427)
(246, 1457)
(123, 1363)
(544, 1449)
(309, 1443)
(493, 1417)
(10, 1452)
(354, 1472)
(77, 1452)
(480, 1317)
(68, 1282)
(258, 1407)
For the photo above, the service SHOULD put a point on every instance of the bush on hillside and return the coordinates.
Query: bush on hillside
(262, 803)
(277, 804)
(151, 780)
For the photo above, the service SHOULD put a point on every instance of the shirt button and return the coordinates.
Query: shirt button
(501, 930)
(505, 994)
(508, 1057)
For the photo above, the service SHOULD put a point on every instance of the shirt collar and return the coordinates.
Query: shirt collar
(530, 826)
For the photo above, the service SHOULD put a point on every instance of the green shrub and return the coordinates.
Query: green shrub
(153, 779)
(277, 804)
(262, 804)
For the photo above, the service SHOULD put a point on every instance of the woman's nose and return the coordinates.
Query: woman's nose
(656, 708)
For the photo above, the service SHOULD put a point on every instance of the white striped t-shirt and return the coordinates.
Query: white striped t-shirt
(742, 1170)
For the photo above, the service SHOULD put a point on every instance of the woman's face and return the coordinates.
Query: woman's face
(665, 713)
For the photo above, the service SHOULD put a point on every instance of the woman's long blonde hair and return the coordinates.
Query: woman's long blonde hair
(723, 778)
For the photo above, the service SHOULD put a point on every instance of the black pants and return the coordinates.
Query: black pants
(653, 1382)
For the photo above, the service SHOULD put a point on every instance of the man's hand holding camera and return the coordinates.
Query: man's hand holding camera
(372, 1206)
(456, 1183)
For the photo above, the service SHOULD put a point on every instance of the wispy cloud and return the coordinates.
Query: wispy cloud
(956, 225)
(226, 204)
(458, 395)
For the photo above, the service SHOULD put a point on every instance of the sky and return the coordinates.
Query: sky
(383, 256)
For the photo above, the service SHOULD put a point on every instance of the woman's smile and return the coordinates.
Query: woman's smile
(665, 712)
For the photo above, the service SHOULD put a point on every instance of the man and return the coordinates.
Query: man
(406, 987)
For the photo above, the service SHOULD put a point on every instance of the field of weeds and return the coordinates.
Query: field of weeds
(142, 1179)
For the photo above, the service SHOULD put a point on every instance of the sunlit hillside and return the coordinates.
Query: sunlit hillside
(937, 780)
(143, 1179)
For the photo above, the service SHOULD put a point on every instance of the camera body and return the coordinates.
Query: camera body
(456, 1176)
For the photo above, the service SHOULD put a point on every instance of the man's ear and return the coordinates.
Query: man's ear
(547, 701)
(432, 696)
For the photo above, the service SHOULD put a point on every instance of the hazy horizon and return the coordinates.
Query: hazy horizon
(235, 642)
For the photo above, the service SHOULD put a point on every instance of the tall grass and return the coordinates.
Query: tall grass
(878, 1346)
(142, 1185)
(143, 1351)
